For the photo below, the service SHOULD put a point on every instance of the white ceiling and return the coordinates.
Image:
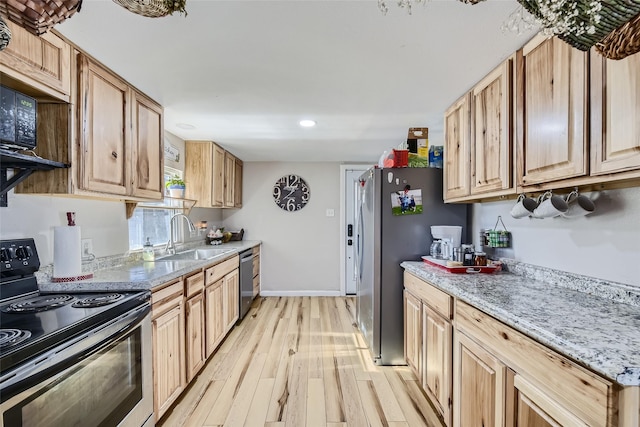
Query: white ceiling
(245, 72)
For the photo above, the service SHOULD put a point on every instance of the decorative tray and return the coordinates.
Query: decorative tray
(464, 269)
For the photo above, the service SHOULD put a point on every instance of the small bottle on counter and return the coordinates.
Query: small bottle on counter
(147, 251)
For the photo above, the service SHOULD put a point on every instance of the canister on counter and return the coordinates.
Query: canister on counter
(467, 255)
(458, 255)
(480, 259)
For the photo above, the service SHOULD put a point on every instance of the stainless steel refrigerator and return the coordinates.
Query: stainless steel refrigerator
(396, 208)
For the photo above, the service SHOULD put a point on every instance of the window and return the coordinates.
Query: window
(152, 222)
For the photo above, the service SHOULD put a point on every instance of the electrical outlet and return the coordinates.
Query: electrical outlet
(87, 247)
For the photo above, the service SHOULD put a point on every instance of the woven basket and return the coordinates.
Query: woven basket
(38, 17)
(621, 42)
(614, 14)
(153, 8)
(5, 34)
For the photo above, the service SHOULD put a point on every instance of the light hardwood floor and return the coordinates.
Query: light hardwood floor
(300, 361)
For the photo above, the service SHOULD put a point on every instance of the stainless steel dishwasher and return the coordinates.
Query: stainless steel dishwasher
(246, 281)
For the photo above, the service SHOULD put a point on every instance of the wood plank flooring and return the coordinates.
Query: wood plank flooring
(300, 361)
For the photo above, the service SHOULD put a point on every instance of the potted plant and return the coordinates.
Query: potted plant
(175, 185)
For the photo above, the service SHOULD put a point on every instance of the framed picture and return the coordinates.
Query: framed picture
(406, 202)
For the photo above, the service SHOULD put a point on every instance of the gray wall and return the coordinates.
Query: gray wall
(605, 244)
(300, 250)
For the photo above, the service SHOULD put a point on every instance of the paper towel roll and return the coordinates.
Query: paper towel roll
(67, 253)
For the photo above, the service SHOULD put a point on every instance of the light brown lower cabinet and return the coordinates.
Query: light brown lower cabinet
(195, 324)
(190, 317)
(428, 342)
(231, 295)
(167, 326)
(499, 377)
(214, 303)
(479, 385)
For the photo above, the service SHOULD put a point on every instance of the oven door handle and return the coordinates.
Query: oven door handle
(46, 368)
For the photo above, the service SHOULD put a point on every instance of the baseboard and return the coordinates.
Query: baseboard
(300, 293)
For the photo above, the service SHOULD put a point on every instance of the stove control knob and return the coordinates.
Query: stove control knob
(5, 255)
(21, 253)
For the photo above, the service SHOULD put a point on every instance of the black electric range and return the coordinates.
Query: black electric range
(31, 323)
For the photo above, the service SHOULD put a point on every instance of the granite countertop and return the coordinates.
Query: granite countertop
(587, 325)
(141, 275)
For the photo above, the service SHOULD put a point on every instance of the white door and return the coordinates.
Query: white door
(351, 195)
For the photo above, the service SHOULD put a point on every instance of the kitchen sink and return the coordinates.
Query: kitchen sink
(195, 254)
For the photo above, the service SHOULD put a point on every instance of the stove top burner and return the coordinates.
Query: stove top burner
(11, 337)
(97, 301)
(39, 303)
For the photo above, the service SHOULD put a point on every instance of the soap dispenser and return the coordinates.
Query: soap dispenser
(147, 251)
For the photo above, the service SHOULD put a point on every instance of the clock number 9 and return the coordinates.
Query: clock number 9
(277, 192)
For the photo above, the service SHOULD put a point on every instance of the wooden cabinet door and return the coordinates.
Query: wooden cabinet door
(533, 408)
(147, 148)
(232, 299)
(437, 344)
(105, 133)
(168, 357)
(195, 334)
(217, 197)
(491, 130)
(197, 172)
(237, 184)
(552, 111)
(41, 62)
(615, 108)
(413, 333)
(479, 385)
(215, 326)
(457, 149)
(229, 179)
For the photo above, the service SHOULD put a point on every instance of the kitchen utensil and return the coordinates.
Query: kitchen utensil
(550, 206)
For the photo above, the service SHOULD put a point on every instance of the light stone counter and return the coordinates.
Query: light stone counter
(141, 275)
(598, 326)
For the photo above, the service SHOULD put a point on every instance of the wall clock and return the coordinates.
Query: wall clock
(291, 193)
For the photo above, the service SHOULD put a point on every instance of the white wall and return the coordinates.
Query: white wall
(300, 250)
(605, 244)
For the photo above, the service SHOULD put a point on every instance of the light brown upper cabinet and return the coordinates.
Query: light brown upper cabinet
(120, 135)
(456, 149)
(551, 111)
(615, 109)
(229, 180)
(478, 140)
(41, 63)
(114, 147)
(491, 133)
(213, 175)
(147, 146)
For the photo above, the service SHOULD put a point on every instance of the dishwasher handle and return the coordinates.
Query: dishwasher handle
(246, 256)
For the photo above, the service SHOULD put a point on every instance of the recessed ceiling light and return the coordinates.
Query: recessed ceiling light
(307, 123)
(186, 126)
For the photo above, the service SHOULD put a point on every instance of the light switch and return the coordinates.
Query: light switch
(331, 212)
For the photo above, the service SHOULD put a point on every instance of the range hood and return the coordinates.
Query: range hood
(23, 166)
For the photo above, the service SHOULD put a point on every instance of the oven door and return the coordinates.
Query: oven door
(102, 378)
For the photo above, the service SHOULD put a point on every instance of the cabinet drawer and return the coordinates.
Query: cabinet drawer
(221, 269)
(440, 301)
(584, 393)
(167, 297)
(256, 266)
(194, 284)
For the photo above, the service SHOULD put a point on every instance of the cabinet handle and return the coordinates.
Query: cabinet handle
(114, 154)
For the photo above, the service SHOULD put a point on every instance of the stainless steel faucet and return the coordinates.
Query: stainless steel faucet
(170, 248)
